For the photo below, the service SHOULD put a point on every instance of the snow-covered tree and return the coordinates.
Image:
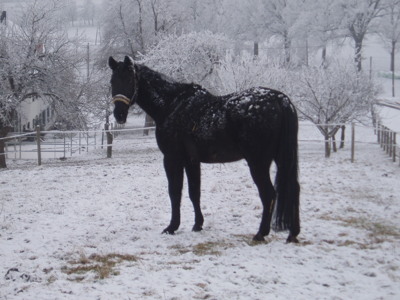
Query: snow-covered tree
(358, 17)
(132, 26)
(88, 12)
(325, 24)
(285, 19)
(207, 15)
(71, 11)
(238, 73)
(191, 57)
(333, 95)
(38, 60)
(389, 30)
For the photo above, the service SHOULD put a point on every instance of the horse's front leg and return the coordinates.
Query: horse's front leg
(193, 174)
(174, 170)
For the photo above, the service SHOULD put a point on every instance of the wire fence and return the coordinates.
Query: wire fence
(62, 144)
(388, 141)
(42, 145)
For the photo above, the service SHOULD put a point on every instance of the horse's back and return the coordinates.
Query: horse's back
(260, 107)
(227, 128)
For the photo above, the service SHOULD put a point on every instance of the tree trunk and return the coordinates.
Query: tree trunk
(357, 55)
(324, 62)
(392, 56)
(334, 147)
(287, 46)
(327, 146)
(255, 50)
(3, 133)
(342, 137)
(141, 36)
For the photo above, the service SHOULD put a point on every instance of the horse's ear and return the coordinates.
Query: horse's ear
(112, 63)
(128, 61)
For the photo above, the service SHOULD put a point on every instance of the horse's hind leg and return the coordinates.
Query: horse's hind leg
(174, 171)
(194, 177)
(260, 174)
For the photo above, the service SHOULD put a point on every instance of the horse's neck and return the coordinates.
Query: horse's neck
(156, 93)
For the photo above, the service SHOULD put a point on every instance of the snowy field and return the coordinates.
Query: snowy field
(90, 228)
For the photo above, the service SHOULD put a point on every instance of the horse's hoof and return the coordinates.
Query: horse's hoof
(168, 231)
(259, 238)
(197, 228)
(292, 239)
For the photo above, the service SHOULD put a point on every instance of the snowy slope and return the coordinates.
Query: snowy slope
(90, 228)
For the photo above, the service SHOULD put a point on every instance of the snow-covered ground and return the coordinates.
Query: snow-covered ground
(90, 228)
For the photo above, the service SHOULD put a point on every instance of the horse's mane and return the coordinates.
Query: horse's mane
(167, 84)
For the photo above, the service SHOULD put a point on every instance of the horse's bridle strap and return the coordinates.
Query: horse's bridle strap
(121, 98)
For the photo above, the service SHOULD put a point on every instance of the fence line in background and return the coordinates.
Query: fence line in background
(388, 141)
(64, 143)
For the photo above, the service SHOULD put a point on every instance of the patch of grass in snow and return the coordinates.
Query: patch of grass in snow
(201, 249)
(102, 266)
(375, 229)
(376, 232)
(209, 248)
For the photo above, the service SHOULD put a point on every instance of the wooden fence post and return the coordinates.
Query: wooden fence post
(109, 140)
(378, 133)
(352, 141)
(384, 138)
(387, 140)
(39, 153)
(71, 141)
(394, 147)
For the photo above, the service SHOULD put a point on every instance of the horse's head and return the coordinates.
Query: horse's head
(123, 86)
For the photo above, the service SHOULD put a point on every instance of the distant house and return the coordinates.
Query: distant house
(35, 111)
(32, 111)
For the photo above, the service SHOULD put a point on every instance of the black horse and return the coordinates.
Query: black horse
(193, 126)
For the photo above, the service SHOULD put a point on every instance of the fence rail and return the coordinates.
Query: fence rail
(388, 141)
(63, 144)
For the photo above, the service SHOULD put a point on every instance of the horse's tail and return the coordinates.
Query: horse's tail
(286, 181)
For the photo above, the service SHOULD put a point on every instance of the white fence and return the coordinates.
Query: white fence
(52, 144)
(62, 144)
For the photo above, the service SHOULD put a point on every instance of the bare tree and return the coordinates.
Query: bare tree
(88, 12)
(358, 17)
(37, 60)
(329, 97)
(191, 57)
(325, 19)
(389, 30)
(71, 11)
(131, 27)
(284, 19)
